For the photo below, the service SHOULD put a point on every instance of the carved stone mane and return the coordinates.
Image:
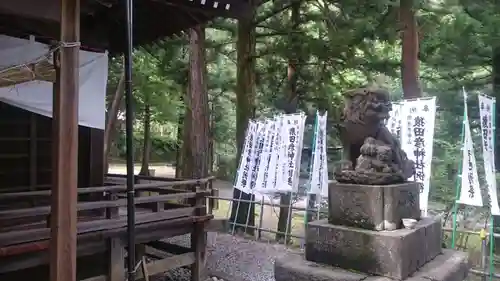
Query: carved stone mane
(361, 104)
(365, 111)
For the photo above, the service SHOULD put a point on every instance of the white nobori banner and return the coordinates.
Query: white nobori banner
(290, 152)
(269, 133)
(275, 149)
(270, 159)
(256, 154)
(243, 176)
(417, 136)
(470, 192)
(487, 115)
(394, 122)
(319, 169)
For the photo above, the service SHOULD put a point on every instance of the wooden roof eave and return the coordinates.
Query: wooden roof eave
(103, 26)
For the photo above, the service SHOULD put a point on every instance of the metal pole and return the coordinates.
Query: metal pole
(492, 218)
(129, 144)
(458, 180)
(484, 250)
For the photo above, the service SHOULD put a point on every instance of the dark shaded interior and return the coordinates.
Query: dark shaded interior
(26, 154)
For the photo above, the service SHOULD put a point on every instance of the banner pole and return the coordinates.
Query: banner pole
(492, 241)
(492, 218)
(459, 175)
(311, 163)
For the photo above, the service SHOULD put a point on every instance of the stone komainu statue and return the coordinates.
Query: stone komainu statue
(372, 155)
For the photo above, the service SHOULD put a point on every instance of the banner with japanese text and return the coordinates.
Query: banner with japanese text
(243, 175)
(275, 149)
(394, 122)
(417, 137)
(292, 133)
(470, 191)
(269, 135)
(270, 159)
(257, 148)
(486, 113)
(319, 170)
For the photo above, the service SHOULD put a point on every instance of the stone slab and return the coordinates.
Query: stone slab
(374, 207)
(293, 267)
(396, 254)
(448, 266)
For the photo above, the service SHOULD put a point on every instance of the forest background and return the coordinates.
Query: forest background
(195, 92)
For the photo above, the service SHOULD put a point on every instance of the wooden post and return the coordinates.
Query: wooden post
(116, 248)
(65, 147)
(198, 241)
(33, 155)
(116, 259)
(283, 219)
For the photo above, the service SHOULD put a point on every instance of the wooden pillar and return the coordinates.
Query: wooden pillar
(116, 249)
(65, 147)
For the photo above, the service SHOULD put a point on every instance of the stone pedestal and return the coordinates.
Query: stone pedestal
(363, 240)
(396, 254)
(375, 207)
(448, 266)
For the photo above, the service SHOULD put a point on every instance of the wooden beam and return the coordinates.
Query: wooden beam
(85, 206)
(162, 186)
(33, 155)
(166, 264)
(169, 247)
(33, 259)
(63, 229)
(157, 267)
(31, 235)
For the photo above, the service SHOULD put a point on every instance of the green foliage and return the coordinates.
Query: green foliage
(336, 45)
(163, 148)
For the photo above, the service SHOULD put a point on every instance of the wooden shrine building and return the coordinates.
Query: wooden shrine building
(61, 219)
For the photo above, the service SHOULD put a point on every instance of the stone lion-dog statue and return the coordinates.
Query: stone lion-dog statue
(371, 154)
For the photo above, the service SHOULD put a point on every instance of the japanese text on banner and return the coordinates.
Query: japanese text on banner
(417, 136)
(265, 163)
(291, 152)
(470, 192)
(319, 170)
(486, 113)
(394, 122)
(256, 154)
(272, 178)
(243, 176)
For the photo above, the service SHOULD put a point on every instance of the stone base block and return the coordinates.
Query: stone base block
(293, 267)
(449, 266)
(396, 254)
(375, 207)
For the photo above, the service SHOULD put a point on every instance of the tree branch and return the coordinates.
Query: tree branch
(278, 33)
(272, 13)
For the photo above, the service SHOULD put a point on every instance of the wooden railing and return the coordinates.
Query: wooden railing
(151, 210)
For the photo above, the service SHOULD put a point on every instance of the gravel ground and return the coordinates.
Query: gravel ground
(243, 259)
